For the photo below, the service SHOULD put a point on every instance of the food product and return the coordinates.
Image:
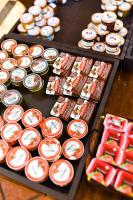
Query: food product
(17, 76)
(50, 55)
(36, 51)
(3, 89)
(40, 66)
(8, 45)
(9, 64)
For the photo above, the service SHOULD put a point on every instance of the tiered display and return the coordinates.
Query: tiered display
(115, 149)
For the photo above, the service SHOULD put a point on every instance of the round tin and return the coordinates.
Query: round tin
(50, 55)
(4, 77)
(11, 132)
(124, 9)
(42, 22)
(52, 127)
(35, 31)
(20, 50)
(25, 62)
(108, 20)
(4, 148)
(96, 18)
(99, 46)
(110, 7)
(40, 66)
(31, 118)
(47, 32)
(17, 75)
(37, 169)
(36, 51)
(11, 97)
(48, 12)
(17, 158)
(9, 64)
(77, 129)
(118, 25)
(73, 149)
(13, 114)
(113, 41)
(3, 89)
(55, 23)
(8, 45)
(30, 139)
(50, 149)
(61, 172)
(27, 21)
(36, 12)
(41, 3)
(21, 29)
(3, 55)
(123, 32)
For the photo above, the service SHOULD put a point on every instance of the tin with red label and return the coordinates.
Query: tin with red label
(36, 51)
(77, 129)
(13, 114)
(32, 118)
(4, 77)
(30, 139)
(3, 55)
(61, 172)
(50, 149)
(3, 89)
(4, 148)
(17, 76)
(8, 45)
(25, 62)
(73, 149)
(20, 50)
(9, 64)
(11, 132)
(40, 66)
(50, 55)
(37, 169)
(17, 158)
(52, 127)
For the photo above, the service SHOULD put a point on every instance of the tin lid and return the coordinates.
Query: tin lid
(32, 81)
(17, 158)
(17, 75)
(61, 172)
(36, 51)
(77, 128)
(53, 21)
(118, 25)
(8, 45)
(3, 55)
(50, 54)
(48, 12)
(11, 97)
(4, 76)
(21, 28)
(113, 39)
(20, 50)
(52, 127)
(99, 46)
(25, 61)
(109, 17)
(26, 18)
(73, 149)
(101, 30)
(31, 118)
(37, 169)
(9, 64)
(11, 132)
(35, 31)
(3, 89)
(89, 34)
(110, 7)
(35, 10)
(4, 148)
(46, 31)
(13, 113)
(96, 18)
(39, 65)
(40, 3)
(30, 138)
(123, 32)
(50, 149)
(124, 6)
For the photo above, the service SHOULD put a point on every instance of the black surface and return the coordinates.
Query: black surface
(44, 103)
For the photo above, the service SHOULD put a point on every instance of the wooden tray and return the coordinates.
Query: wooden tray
(44, 103)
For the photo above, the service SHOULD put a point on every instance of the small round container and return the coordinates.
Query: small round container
(21, 29)
(42, 22)
(110, 7)
(3, 89)
(17, 75)
(48, 12)
(118, 25)
(13, 114)
(25, 62)
(17, 158)
(112, 42)
(36, 12)
(124, 9)
(41, 3)
(31, 118)
(88, 37)
(96, 18)
(77, 129)
(9, 64)
(50, 149)
(20, 50)
(30, 139)
(99, 46)
(11, 97)
(36, 51)
(55, 23)
(37, 169)
(50, 55)
(61, 172)
(8, 45)
(3, 55)
(35, 31)
(123, 32)
(103, 3)
(73, 149)
(108, 20)
(4, 148)
(33, 82)
(4, 77)
(52, 127)
(11, 132)
(81, 45)
(47, 32)
(27, 21)
(40, 66)
(101, 33)
(1, 123)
